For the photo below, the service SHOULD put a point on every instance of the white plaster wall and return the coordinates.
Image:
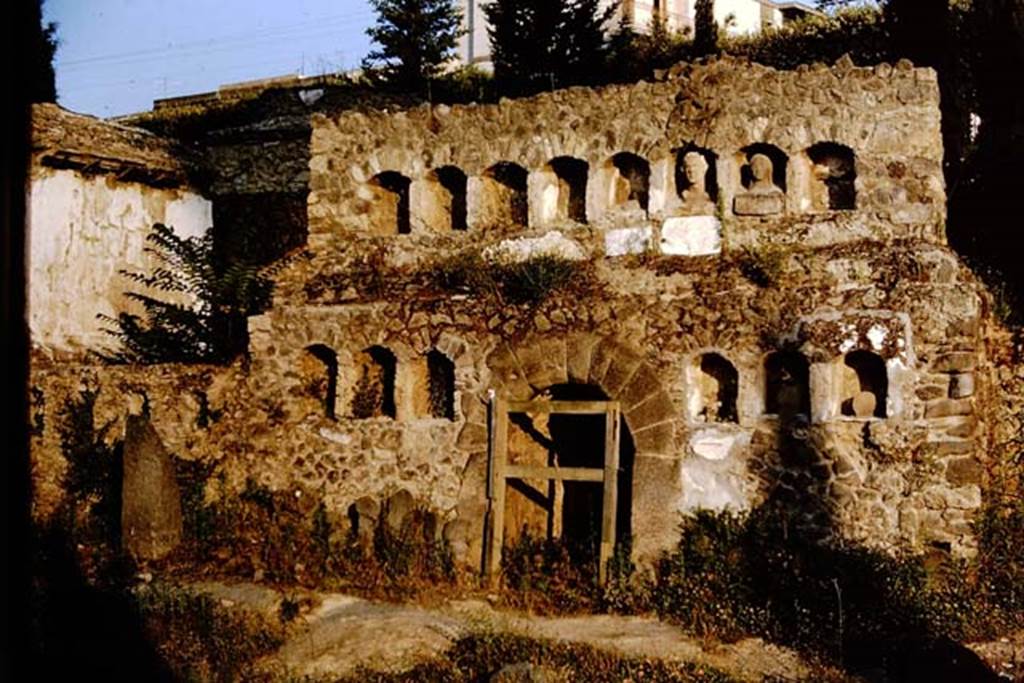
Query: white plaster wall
(746, 14)
(82, 231)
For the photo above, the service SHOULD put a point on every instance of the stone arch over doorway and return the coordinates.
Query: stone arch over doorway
(529, 369)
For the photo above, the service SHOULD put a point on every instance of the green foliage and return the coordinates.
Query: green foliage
(859, 32)
(41, 47)
(92, 479)
(480, 656)
(210, 296)
(764, 267)
(705, 38)
(200, 639)
(291, 540)
(546, 44)
(416, 38)
(542, 576)
(528, 282)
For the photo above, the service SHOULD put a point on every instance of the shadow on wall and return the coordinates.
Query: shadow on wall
(779, 574)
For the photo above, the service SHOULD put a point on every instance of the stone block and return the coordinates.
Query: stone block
(398, 507)
(655, 513)
(619, 373)
(948, 406)
(658, 408)
(659, 438)
(472, 437)
(644, 383)
(578, 352)
(959, 361)
(964, 471)
(151, 525)
(759, 204)
(625, 241)
(691, 236)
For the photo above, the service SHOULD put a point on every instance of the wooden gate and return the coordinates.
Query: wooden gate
(500, 471)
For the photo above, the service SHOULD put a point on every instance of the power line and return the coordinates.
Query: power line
(218, 43)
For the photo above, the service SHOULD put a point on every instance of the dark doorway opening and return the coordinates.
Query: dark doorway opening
(578, 441)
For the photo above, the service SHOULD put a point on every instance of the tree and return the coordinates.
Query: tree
(543, 44)
(211, 297)
(705, 37)
(416, 38)
(42, 47)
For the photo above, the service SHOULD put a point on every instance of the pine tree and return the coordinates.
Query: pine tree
(416, 39)
(544, 44)
(705, 37)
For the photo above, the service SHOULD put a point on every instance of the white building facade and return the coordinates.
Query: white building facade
(735, 16)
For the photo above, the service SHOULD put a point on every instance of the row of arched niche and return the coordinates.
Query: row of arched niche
(568, 189)
(371, 382)
(864, 387)
(368, 388)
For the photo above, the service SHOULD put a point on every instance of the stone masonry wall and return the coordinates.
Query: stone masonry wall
(886, 116)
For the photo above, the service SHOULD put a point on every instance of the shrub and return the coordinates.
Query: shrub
(201, 640)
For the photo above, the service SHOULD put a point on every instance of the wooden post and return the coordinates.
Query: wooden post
(611, 482)
(499, 457)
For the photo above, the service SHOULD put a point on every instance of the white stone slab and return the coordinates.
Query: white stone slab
(624, 241)
(522, 249)
(691, 236)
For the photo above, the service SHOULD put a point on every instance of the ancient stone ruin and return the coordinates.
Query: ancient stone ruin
(773, 273)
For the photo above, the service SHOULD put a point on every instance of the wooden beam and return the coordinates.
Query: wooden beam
(560, 407)
(555, 473)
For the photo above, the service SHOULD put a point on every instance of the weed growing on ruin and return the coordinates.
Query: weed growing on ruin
(764, 266)
(528, 282)
(200, 313)
(289, 538)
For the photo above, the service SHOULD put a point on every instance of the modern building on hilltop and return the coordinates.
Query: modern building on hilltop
(735, 16)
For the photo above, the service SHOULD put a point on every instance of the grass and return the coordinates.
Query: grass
(479, 657)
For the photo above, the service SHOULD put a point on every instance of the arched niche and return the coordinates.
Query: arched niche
(630, 182)
(318, 368)
(833, 177)
(440, 203)
(560, 191)
(389, 209)
(717, 389)
(440, 385)
(865, 385)
(503, 197)
(374, 392)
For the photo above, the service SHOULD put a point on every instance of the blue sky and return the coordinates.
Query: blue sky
(117, 56)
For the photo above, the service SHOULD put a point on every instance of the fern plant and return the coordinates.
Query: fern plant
(203, 318)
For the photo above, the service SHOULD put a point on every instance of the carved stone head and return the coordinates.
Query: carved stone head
(695, 166)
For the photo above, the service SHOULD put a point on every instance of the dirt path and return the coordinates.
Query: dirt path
(343, 633)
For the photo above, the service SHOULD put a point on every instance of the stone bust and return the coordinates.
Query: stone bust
(763, 197)
(761, 168)
(695, 198)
